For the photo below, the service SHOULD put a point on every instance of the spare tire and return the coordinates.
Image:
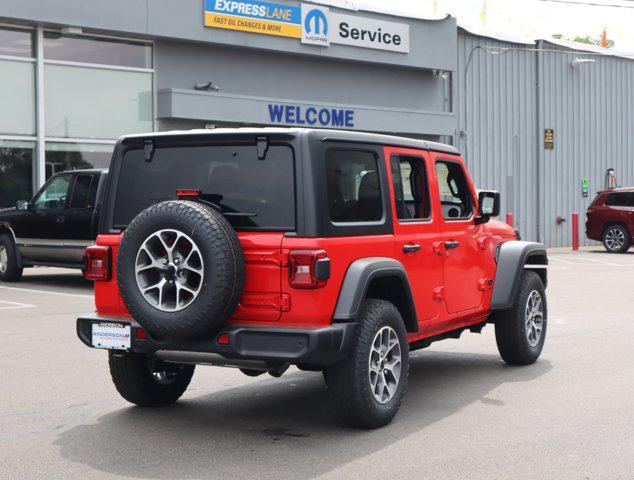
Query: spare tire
(180, 270)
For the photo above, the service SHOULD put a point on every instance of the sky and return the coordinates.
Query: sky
(534, 18)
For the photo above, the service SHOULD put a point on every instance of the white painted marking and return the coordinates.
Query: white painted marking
(550, 257)
(48, 292)
(560, 321)
(13, 305)
(603, 262)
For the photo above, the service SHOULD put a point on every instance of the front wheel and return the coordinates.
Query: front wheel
(521, 331)
(369, 384)
(616, 239)
(9, 269)
(147, 381)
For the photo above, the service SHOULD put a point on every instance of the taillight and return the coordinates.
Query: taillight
(98, 263)
(309, 268)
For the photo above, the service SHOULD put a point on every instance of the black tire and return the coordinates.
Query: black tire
(9, 270)
(511, 325)
(616, 239)
(221, 254)
(349, 381)
(132, 375)
(251, 373)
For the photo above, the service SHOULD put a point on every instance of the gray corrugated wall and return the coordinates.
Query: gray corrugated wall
(589, 107)
(497, 122)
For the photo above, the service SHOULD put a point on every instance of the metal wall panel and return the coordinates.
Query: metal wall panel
(590, 109)
(496, 106)
(511, 97)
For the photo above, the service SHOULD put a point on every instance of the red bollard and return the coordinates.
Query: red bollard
(574, 221)
(510, 221)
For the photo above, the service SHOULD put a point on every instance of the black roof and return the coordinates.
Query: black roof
(317, 134)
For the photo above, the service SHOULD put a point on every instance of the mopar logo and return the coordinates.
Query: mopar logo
(316, 21)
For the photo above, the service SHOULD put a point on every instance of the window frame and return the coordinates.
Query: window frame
(467, 184)
(426, 190)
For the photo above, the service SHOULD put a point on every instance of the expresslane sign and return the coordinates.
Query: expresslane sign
(253, 16)
(312, 24)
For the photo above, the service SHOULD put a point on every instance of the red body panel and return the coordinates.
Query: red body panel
(451, 288)
(599, 215)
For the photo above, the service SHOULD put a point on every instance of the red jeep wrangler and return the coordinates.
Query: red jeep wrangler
(330, 250)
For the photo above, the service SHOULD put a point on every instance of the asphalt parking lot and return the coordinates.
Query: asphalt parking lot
(466, 414)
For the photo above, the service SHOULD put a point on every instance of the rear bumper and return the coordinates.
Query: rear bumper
(313, 346)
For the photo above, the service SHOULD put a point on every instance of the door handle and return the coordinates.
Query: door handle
(449, 245)
(60, 219)
(411, 248)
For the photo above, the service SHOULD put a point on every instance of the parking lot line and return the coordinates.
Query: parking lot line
(12, 305)
(48, 292)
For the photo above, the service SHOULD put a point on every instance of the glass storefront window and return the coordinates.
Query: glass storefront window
(97, 50)
(16, 171)
(16, 43)
(96, 103)
(17, 97)
(61, 157)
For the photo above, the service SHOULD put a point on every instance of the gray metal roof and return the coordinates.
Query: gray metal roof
(317, 134)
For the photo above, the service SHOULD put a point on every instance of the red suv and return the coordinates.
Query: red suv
(610, 219)
(333, 251)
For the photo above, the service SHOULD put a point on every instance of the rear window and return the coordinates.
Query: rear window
(253, 193)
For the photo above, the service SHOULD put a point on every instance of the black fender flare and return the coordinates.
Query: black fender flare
(358, 279)
(512, 258)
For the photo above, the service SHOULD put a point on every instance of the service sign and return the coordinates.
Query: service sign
(253, 16)
(369, 33)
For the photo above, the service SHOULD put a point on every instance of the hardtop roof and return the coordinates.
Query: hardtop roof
(324, 135)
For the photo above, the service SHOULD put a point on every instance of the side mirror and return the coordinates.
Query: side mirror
(21, 205)
(488, 205)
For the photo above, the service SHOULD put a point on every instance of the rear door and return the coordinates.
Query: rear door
(416, 228)
(462, 239)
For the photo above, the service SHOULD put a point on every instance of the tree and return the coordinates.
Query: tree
(588, 40)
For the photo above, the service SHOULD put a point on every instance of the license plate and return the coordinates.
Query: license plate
(113, 336)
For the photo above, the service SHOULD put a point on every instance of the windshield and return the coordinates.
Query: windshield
(259, 193)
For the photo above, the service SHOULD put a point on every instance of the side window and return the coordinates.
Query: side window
(411, 191)
(54, 194)
(81, 192)
(354, 194)
(621, 199)
(455, 196)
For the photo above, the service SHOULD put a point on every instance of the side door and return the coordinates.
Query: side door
(462, 240)
(416, 230)
(45, 226)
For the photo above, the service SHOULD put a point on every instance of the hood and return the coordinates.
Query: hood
(497, 227)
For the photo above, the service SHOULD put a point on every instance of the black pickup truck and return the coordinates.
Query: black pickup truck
(54, 227)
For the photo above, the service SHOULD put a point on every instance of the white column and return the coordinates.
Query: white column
(40, 167)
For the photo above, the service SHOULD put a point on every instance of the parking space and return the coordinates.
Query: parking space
(466, 414)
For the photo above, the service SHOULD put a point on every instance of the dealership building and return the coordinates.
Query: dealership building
(538, 120)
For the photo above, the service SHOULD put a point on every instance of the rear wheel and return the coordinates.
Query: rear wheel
(369, 384)
(147, 381)
(616, 239)
(521, 331)
(9, 270)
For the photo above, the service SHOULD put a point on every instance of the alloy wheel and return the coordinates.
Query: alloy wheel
(169, 270)
(385, 364)
(534, 318)
(615, 239)
(4, 259)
